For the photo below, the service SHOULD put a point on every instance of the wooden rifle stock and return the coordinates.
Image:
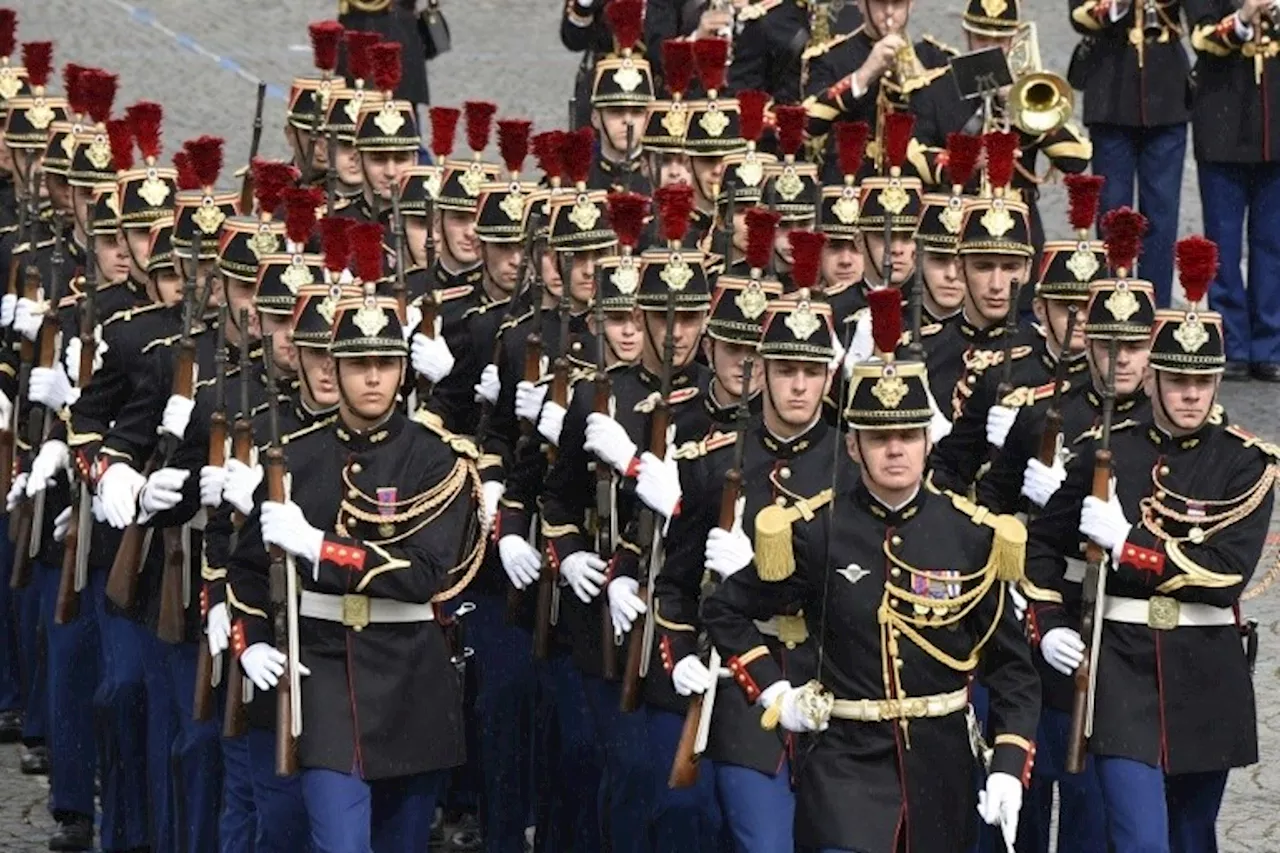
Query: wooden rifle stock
(604, 486)
(67, 606)
(286, 753)
(1077, 742)
(21, 521)
(171, 624)
(202, 703)
(246, 186)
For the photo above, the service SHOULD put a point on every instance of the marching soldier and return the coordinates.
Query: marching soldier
(712, 132)
(843, 255)
(345, 177)
(791, 190)
(620, 95)
(309, 99)
(392, 21)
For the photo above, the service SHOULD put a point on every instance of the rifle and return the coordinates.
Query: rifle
(234, 719)
(317, 106)
(915, 306)
(606, 519)
(1093, 592)
(9, 429)
(486, 408)
(430, 302)
(639, 648)
(331, 173)
(1050, 439)
(400, 288)
(246, 186)
(697, 718)
(1005, 386)
(725, 235)
(20, 525)
(202, 703)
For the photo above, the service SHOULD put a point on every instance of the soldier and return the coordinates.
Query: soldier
(666, 121)
(1182, 528)
(620, 94)
(898, 677)
(775, 42)
(386, 138)
(309, 99)
(345, 177)
(712, 132)
(843, 260)
(583, 29)
(393, 21)
(791, 190)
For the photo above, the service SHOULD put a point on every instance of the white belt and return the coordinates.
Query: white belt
(908, 707)
(357, 611)
(1164, 614)
(1075, 570)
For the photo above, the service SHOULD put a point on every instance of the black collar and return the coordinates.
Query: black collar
(368, 439)
(793, 447)
(890, 517)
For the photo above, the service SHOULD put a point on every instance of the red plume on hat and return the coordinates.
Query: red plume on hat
(886, 320)
(579, 146)
(1197, 265)
(325, 38)
(144, 118)
(335, 242)
(1001, 148)
(675, 204)
(626, 215)
(513, 143)
(479, 124)
(790, 119)
(359, 53)
(851, 146)
(751, 104)
(762, 224)
(1083, 192)
(963, 150)
(37, 58)
(444, 127)
(1123, 230)
(366, 251)
(99, 93)
(187, 179)
(548, 151)
(386, 66)
(712, 56)
(206, 158)
(120, 136)
(270, 179)
(300, 205)
(626, 22)
(806, 256)
(898, 128)
(8, 31)
(677, 65)
(71, 74)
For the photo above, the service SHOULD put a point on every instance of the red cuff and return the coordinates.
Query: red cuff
(1102, 11)
(343, 555)
(633, 468)
(1033, 627)
(675, 511)
(835, 91)
(664, 648)
(1142, 559)
(744, 679)
(1225, 27)
(238, 641)
(1027, 765)
(204, 601)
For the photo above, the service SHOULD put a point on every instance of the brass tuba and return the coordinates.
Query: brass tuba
(1040, 102)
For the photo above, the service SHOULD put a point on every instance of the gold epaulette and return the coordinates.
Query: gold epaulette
(822, 47)
(1095, 432)
(1251, 440)
(460, 444)
(714, 441)
(1029, 396)
(130, 313)
(942, 46)
(755, 11)
(1008, 546)
(775, 555)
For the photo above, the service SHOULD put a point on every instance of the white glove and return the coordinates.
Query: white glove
(242, 482)
(529, 399)
(520, 560)
(608, 440)
(7, 306)
(1104, 523)
(790, 716)
(1019, 603)
(118, 487)
(1063, 650)
(413, 319)
(690, 676)
(488, 387)
(939, 426)
(658, 482)
(861, 346)
(1000, 802)
(551, 422)
(61, 525)
(54, 456)
(728, 551)
(999, 421)
(50, 387)
(493, 492)
(177, 414)
(625, 603)
(213, 478)
(99, 514)
(263, 664)
(27, 318)
(284, 526)
(1040, 481)
(163, 490)
(583, 571)
(16, 492)
(431, 357)
(6, 408)
(71, 358)
(218, 629)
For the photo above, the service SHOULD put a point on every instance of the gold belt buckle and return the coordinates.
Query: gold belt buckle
(1162, 613)
(355, 611)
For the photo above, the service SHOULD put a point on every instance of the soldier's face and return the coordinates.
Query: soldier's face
(978, 41)
(6, 159)
(299, 141)
(989, 281)
(708, 172)
(685, 334)
(81, 203)
(279, 327)
(1131, 364)
(740, 228)
(582, 281)
(383, 168)
(59, 193)
(727, 361)
(321, 383)
(795, 391)
(549, 263)
(112, 256)
(902, 254)
(1185, 399)
(892, 460)
(138, 243)
(168, 287)
(622, 330)
(1055, 315)
(239, 297)
(781, 243)
(368, 385)
(673, 170)
(348, 165)
(841, 262)
(611, 125)
(502, 264)
(416, 233)
(458, 238)
(24, 160)
(943, 289)
(886, 16)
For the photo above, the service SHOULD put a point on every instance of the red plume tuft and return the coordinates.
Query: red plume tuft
(479, 123)
(751, 104)
(359, 53)
(120, 135)
(187, 179)
(579, 146)
(806, 256)
(1123, 230)
(386, 65)
(144, 118)
(335, 242)
(762, 224)
(962, 157)
(1083, 192)
(8, 31)
(675, 204)
(37, 58)
(1197, 265)
(1001, 149)
(898, 128)
(99, 93)
(626, 214)
(270, 179)
(444, 126)
(325, 38)
(206, 158)
(513, 142)
(886, 319)
(71, 75)
(548, 150)
(677, 65)
(712, 56)
(851, 145)
(300, 212)
(366, 251)
(790, 119)
(626, 22)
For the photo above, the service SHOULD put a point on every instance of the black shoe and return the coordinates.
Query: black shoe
(35, 761)
(466, 835)
(1265, 372)
(74, 832)
(1236, 371)
(10, 726)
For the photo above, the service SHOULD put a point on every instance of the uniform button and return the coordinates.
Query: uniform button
(895, 633)
(1159, 495)
(780, 501)
(784, 473)
(897, 664)
(896, 540)
(353, 494)
(355, 468)
(894, 572)
(893, 602)
(1164, 470)
(352, 521)
(969, 380)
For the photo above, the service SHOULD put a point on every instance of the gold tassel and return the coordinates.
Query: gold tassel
(775, 558)
(1008, 548)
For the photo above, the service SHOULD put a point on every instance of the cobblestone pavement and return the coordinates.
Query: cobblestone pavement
(202, 60)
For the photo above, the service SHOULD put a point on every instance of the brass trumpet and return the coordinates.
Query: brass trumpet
(1040, 102)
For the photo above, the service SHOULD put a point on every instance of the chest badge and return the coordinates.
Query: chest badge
(853, 573)
(386, 510)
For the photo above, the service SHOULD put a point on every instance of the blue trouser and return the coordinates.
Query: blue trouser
(262, 812)
(759, 809)
(238, 822)
(1149, 812)
(1230, 193)
(162, 733)
(570, 761)
(73, 663)
(10, 681)
(626, 795)
(121, 704)
(683, 819)
(350, 815)
(1153, 156)
(506, 686)
(1081, 823)
(196, 758)
(33, 660)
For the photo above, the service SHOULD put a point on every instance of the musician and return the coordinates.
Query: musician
(775, 42)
